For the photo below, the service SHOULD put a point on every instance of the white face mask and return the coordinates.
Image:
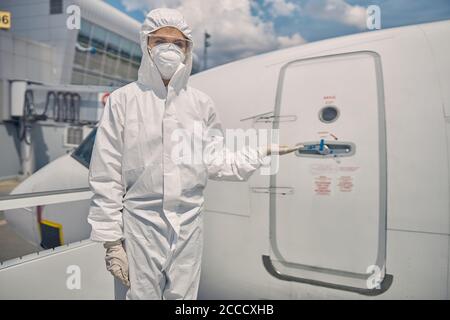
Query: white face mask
(167, 58)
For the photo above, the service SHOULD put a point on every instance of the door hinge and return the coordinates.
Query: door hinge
(274, 190)
(269, 117)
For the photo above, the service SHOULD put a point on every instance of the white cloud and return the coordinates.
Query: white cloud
(235, 32)
(144, 5)
(281, 7)
(293, 40)
(338, 10)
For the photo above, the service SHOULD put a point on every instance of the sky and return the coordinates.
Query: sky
(243, 28)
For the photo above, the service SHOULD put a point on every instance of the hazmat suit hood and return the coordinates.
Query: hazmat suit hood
(148, 74)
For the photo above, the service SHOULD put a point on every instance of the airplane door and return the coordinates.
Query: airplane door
(330, 228)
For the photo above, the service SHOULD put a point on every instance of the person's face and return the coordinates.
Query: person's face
(168, 34)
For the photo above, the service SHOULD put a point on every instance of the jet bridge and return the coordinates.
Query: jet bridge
(74, 109)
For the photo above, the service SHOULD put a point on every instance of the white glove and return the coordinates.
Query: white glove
(279, 149)
(116, 261)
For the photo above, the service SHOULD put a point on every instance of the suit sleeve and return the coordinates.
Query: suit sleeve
(222, 163)
(105, 176)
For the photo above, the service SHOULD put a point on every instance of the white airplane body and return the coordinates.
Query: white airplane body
(368, 219)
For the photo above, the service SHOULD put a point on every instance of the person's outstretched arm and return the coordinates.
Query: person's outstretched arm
(224, 164)
(105, 176)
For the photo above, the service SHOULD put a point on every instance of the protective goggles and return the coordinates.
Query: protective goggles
(183, 43)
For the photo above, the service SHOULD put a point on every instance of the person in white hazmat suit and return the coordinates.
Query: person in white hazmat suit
(147, 207)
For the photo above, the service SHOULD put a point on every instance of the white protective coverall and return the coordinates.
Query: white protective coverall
(140, 194)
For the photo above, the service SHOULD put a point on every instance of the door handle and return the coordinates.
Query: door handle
(326, 149)
(270, 117)
(274, 190)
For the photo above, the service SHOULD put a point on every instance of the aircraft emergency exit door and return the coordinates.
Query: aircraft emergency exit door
(330, 229)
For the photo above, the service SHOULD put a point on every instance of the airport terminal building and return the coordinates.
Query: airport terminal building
(40, 47)
(104, 51)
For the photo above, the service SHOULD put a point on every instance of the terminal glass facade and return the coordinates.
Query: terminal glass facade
(104, 58)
